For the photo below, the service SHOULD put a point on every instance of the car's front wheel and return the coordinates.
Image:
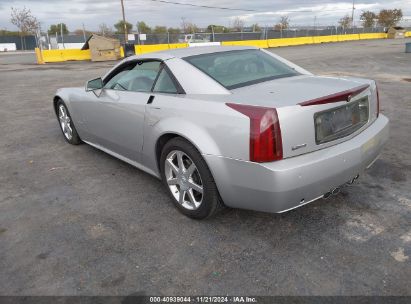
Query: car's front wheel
(188, 179)
(66, 124)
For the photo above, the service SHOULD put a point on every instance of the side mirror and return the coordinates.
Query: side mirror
(94, 84)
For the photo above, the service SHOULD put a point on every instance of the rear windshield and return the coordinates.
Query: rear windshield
(234, 69)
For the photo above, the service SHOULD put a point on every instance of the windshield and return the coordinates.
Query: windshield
(234, 69)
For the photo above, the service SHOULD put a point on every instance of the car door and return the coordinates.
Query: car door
(115, 117)
(167, 95)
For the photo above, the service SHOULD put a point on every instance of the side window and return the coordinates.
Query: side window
(138, 77)
(165, 83)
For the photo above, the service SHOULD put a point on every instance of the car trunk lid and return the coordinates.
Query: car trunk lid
(314, 112)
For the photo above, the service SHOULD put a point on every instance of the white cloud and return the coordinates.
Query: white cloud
(94, 12)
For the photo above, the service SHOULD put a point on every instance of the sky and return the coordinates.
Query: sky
(264, 12)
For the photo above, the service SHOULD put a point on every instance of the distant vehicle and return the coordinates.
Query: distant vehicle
(194, 38)
(237, 126)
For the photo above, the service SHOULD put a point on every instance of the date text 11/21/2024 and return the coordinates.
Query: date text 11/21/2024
(203, 299)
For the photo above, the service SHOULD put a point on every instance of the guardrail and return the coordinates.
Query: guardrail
(74, 54)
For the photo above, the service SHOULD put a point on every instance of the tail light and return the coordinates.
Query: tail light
(265, 133)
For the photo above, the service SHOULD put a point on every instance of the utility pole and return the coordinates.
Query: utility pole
(183, 23)
(352, 14)
(124, 22)
(212, 31)
(62, 37)
(84, 33)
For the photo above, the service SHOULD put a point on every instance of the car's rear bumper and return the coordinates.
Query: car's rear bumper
(283, 185)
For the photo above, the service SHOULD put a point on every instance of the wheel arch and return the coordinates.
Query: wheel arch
(163, 140)
(192, 133)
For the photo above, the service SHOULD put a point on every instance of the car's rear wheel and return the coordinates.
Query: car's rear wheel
(66, 124)
(188, 179)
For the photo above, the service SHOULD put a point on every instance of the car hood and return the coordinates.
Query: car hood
(293, 90)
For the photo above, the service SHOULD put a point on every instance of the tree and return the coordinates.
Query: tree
(143, 28)
(388, 18)
(191, 27)
(285, 22)
(79, 32)
(25, 22)
(172, 30)
(160, 30)
(345, 22)
(56, 28)
(368, 18)
(119, 26)
(105, 30)
(256, 27)
(217, 28)
(238, 24)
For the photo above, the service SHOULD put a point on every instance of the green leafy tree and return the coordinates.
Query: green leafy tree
(119, 26)
(56, 28)
(143, 28)
(388, 18)
(368, 18)
(172, 30)
(160, 30)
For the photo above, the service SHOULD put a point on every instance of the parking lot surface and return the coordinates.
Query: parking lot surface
(76, 221)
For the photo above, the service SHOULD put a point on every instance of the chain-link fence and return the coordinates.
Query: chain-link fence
(75, 41)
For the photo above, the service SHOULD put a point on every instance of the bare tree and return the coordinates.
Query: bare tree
(345, 22)
(25, 22)
(285, 22)
(238, 24)
(105, 30)
(184, 25)
(191, 27)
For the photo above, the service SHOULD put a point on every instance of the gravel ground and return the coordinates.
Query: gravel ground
(76, 221)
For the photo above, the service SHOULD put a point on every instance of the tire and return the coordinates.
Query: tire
(184, 187)
(66, 124)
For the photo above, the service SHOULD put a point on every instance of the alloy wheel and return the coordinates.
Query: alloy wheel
(65, 122)
(184, 180)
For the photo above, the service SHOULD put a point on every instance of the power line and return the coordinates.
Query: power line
(206, 6)
(246, 10)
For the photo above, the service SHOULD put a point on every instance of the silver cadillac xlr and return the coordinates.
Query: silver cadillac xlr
(229, 126)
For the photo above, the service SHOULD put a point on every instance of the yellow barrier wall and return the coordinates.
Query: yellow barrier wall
(407, 34)
(256, 43)
(72, 54)
(373, 36)
(39, 56)
(325, 39)
(65, 55)
(142, 49)
(289, 41)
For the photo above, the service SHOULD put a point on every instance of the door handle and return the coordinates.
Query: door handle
(150, 99)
